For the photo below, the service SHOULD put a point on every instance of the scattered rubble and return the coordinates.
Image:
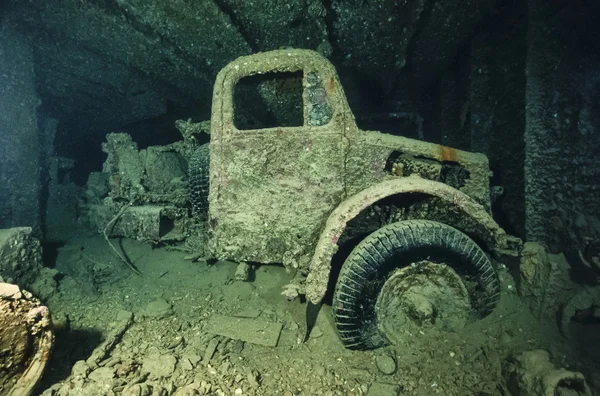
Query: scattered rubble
(544, 279)
(532, 374)
(242, 272)
(196, 332)
(158, 309)
(383, 389)
(386, 364)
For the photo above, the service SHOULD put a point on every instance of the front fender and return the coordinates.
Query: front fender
(478, 219)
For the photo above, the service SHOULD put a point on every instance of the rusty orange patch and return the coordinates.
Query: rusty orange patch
(446, 153)
(331, 86)
(45, 356)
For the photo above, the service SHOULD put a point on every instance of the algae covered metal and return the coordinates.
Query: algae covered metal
(271, 189)
(284, 194)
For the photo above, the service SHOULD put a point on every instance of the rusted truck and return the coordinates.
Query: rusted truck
(341, 205)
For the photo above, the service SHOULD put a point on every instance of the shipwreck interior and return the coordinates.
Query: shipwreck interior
(105, 110)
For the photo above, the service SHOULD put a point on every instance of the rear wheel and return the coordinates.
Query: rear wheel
(199, 180)
(388, 269)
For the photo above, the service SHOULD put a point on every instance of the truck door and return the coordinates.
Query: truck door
(277, 163)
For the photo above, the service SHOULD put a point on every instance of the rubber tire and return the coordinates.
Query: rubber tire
(198, 175)
(394, 246)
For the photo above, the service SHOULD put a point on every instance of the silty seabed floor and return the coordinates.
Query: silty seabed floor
(168, 349)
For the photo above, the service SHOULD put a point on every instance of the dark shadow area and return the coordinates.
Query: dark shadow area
(312, 312)
(161, 130)
(166, 225)
(50, 253)
(269, 101)
(69, 347)
(336, 265)
(579, 272)
(376, 111)
(454, 174)
(85, 145)
(498, 208)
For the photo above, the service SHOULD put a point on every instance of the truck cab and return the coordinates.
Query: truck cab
(292, 190)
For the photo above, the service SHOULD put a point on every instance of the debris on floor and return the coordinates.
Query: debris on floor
(248, 330)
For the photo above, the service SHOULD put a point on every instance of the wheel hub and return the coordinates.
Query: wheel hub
(422, 295)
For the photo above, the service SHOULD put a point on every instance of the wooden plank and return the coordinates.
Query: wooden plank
(248, 330)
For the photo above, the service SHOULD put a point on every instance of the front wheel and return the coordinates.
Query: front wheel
(376, 266)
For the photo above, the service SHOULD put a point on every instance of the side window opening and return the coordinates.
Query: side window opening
(268, 101)
(319, 109)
